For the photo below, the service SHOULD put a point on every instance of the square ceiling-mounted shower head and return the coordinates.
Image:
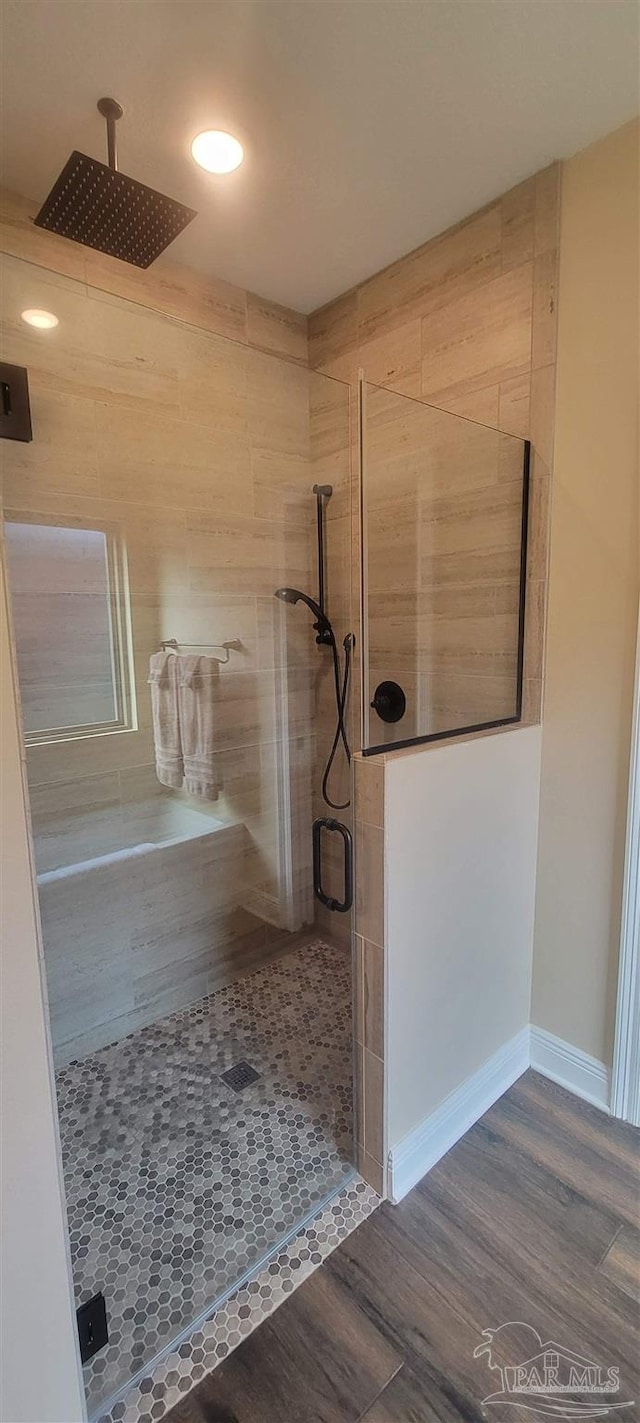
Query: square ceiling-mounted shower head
(94, 204)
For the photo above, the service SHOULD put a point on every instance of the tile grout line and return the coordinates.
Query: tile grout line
(381, 1392)
(609, 1247)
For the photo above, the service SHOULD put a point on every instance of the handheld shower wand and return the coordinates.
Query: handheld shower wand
(321, 624)
(325, 637)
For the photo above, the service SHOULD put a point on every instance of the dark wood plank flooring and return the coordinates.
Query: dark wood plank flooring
(532, 1219)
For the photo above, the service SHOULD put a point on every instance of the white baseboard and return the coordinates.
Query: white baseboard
(533, 1047)
(419, 1151)
(570, 1067)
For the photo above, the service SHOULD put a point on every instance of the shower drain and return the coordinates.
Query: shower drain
(242, 1075)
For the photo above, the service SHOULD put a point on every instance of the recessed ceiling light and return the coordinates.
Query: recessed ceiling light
(42, 319)
(216, 151)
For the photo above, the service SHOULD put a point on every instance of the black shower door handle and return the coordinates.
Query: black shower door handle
(339, 906)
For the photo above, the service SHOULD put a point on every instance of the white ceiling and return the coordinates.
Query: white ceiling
(369, 125)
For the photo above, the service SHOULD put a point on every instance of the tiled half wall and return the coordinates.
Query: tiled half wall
(369, 974)
(467, 323)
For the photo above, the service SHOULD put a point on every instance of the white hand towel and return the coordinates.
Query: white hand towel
(198, 679)
(163, 680)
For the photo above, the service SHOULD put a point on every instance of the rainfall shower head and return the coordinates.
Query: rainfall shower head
(94, 204)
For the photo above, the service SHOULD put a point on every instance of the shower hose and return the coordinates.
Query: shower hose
(342, 690)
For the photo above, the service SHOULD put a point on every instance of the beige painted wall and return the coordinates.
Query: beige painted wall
(593, 600)
(35, 1264)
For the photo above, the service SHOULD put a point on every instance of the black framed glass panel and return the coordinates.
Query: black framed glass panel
(444, 531)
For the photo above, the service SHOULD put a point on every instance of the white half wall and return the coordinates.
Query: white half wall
(40, 1367)
(422, 1148)
(461, 825)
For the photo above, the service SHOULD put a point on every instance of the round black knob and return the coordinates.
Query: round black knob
(389, 701)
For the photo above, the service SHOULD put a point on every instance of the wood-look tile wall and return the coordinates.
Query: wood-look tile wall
(466, 323)
(369, 972)
(443, 517)
(331, 464)
(195, 452)
(167, 286)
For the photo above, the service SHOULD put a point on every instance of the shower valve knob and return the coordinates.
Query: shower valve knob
(389, 701)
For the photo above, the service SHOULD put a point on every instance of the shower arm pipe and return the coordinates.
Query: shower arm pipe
(111, 110)
(322, 492)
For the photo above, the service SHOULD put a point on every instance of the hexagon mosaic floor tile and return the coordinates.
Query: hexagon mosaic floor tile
(246, 1308)
(177, 1184)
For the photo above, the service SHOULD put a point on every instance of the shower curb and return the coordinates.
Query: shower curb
(247, 1307)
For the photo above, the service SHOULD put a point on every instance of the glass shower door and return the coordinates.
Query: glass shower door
(201, 1034)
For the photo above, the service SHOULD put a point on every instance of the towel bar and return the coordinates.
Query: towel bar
(171, 644)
